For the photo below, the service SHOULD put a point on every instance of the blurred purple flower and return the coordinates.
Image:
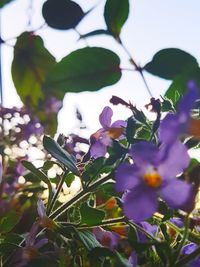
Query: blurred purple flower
(187, 250)
(1, 171)
(151, 176)
(103, 137)
(133, 259)
(150, 229)
(106, 238)
(174, 125)
(177, 221)
(53, 105)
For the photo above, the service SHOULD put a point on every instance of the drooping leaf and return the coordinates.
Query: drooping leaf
(60, 154)
(93, 33)
(4, 2)
(8, 221)
(91, 216)
(39, 174)
(115, 14)
(88, 239)
(170, 62)
(29, 68)
(87, 69)
(62, 14)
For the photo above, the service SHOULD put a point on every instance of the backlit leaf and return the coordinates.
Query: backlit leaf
(29, 68)
(62, 14)
(170, 62)
(87, 69)
(115, 14)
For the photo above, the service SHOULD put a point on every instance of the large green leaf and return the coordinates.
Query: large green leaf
(170, 62)
(62, 14)
(91, 216)
(30, 65)
(87, 69)
(4, 2)
(115, 14)
(60, 154)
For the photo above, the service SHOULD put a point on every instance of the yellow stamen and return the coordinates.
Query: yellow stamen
(194, 128)
(152, 179)
(115, 132)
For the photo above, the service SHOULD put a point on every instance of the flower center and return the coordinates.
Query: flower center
(153, 179)
(115, 133)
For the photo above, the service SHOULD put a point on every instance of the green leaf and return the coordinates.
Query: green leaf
(93, 33)
(4, 2)
(69, 179)
(60, 154)
(170, 62)
(86, 69)
(8, 222)
(29, 68)
(88, 239)
(102, 252)
(62, 14)
(179, 84)
(39, 174)
(7, 248)
(115, 14)
(91, 216)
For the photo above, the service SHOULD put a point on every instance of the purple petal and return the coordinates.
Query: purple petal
(30, 239)
(133, 259)
(144, 152)
(41, 208)
(170, 128)
(126, 177)
(119, 124)
(175, 162)
(188, 249)
(41, 243)
(188, 100)
(177, 221)
(98, 150)
(151, 229)
(106, 238)
(140, 203)
(176, 193)
(105, 117)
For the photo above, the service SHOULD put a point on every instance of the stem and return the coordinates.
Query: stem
(184, 238)
(79, 196)
(137, 68)
(142, 230)
(104, 223)
(53, 201)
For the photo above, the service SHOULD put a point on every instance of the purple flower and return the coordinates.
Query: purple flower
(151, 229)
(152, 176)
(53, 105)
(133, 259)
(187, 250)
(177, 221)
(1, 171)
(106, 238)
(174, 125)
(103, 137)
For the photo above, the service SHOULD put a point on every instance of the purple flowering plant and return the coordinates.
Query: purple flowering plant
(127, 196)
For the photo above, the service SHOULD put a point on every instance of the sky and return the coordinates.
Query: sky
(152, 25)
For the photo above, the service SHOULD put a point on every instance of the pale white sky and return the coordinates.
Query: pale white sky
(152, 25)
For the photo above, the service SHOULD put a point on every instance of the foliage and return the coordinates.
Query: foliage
(125, 196)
